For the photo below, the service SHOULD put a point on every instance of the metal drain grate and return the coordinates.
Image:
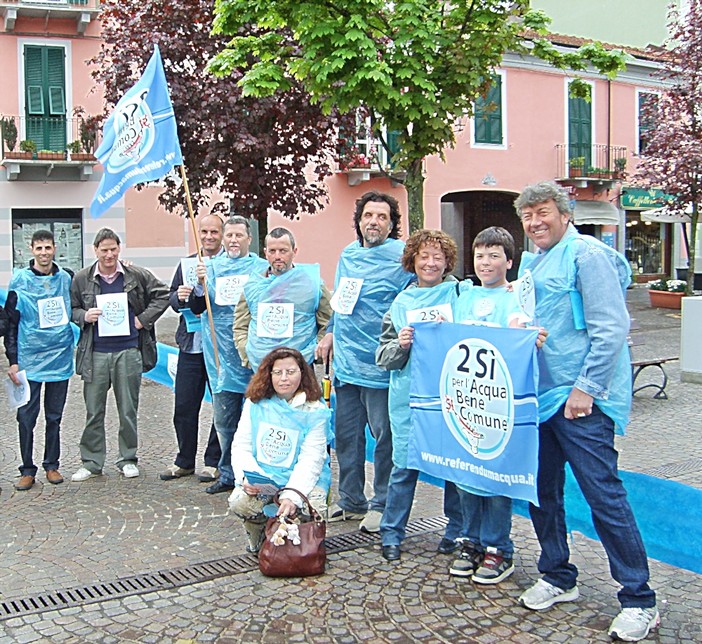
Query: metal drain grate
(675, 469)
(173, 578)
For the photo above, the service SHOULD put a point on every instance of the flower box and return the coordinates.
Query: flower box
(18, 155)
(51, 156)
(83, 156)
(666, 299)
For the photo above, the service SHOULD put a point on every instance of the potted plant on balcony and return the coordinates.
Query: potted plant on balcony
(619, 168)
(51, 155)
(88, 128)
(667, 294)
(576, 167)
(9, 135)
(75, 148)
(27, 149)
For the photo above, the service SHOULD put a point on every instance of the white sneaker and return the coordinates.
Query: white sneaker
(83, 474)
(208, 474)
(130, 471)
(544, 595)
(371, 522)
(633, 624)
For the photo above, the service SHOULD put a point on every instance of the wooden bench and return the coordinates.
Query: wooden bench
(636, 338)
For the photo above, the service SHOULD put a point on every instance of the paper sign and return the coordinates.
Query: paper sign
(265, 485)
(52, 312)
(438, 313)
(524, 288)
(275, 445)
(17, 395)
(188, 267)
(228, 289)
(346, 295)
(275, 320)
(114, 320)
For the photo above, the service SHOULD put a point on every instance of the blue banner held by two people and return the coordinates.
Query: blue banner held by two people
(140, 138)
(474, 407)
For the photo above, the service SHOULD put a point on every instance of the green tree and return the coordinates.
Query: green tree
(416, 66)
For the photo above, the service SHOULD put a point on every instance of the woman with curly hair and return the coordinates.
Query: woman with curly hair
(431, 256)
(282, 437)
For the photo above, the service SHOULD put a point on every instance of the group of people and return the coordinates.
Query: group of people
(250, 329)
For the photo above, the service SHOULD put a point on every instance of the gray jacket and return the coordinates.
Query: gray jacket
(148, 298)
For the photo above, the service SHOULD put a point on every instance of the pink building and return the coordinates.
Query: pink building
(525, 130)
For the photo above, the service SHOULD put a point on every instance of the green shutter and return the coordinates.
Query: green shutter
(45, 83)
(488, 114)
(580, 129)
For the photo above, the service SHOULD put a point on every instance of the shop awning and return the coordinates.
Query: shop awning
(664, 216)
(599, 213)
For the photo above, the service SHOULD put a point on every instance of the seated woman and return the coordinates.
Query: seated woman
(282, 436)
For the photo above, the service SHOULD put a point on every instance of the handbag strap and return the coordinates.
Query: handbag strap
(313, 513)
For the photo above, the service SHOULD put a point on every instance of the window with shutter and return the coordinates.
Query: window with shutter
(488, 115)
(45, 96)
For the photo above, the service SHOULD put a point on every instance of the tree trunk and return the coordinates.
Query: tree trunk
(414, 184)
(691, 251)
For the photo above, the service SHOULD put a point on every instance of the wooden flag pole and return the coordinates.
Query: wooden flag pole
(191, 216)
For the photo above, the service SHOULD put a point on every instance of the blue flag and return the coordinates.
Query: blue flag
(140, 138)
(474, 407)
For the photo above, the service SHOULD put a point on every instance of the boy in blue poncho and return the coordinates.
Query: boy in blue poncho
(486, 554)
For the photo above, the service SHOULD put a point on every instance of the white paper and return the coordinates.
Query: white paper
(52, 312)
(188, 267)
(228, 289)
(17, 395)
(114, 320)
(172, 366)
(275, 320)
(431, 314)
(276, 445)
(524, 288)
(346, 295)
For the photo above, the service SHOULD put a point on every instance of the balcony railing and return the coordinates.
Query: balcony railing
(82, 11)
(51, 4)
(595, 162)
(71, 138)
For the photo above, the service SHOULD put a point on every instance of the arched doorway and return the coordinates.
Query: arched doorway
(465, 214)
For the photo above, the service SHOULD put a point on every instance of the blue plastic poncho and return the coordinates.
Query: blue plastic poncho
(356, 335)
(559, 308)
(412, 299)
(283, 312)
(491, 305)
(45, 336)
(278, 432)
(232, 376)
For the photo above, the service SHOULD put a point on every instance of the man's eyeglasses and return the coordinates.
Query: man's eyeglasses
(288, 372)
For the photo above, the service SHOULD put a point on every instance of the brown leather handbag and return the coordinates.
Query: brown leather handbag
(290, 560)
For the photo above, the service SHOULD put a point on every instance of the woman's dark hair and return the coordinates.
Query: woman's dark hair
(261, 385)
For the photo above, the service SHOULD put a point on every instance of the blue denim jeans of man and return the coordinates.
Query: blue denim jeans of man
(489, 521)
(190, 383)
(54, 402)
(403, 483)
(587, 444)
(355, 407)
(121, 372)
(227, 407)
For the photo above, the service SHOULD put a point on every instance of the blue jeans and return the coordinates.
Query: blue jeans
(227, 411)
(587, 444)
(401, 488)
(454, 511)
(489, 521)
(54, 402)
(355, 407)
(190, 383)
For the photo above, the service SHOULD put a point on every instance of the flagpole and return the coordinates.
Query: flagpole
(191, 216)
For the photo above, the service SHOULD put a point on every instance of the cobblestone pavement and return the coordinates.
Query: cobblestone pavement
(57, 537)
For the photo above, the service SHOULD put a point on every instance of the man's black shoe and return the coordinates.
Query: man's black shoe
(447, 546)
(391, 553)
(218, 487)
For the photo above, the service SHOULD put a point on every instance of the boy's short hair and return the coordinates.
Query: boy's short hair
(42, 235)
(495, 236)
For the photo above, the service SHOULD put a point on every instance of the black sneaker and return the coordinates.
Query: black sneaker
(468, 561)
(218, 487)
(494, 569)
(447, 546)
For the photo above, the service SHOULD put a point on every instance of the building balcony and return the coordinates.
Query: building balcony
(596, 165)
(34, 148)
(82, 11)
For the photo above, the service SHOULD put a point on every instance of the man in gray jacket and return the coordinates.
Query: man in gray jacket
(113, 351)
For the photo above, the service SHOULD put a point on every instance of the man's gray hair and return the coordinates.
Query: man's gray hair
(543, 191)
(236, 220)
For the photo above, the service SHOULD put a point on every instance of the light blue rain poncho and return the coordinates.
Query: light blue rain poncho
(568, 358)
(356, 335)
(495, 306)
(411, 299)
(231, 376)
(277, 457)
(45, 337)
(275, 296)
